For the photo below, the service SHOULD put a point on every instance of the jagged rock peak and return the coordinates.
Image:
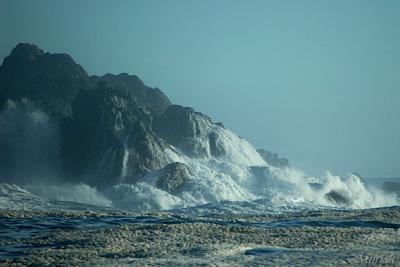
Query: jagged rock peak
(49, 80)
(24, 53)
(150, 98)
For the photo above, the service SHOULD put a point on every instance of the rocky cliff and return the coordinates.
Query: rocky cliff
(109, 135)
(108, 129)
(50, 80)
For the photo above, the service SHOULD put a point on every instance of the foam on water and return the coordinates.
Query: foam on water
(222, 179)
(141, 196)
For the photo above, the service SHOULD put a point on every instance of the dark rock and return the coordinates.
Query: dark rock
(105, 131)
(150, 98)
(173, 177)
(273, 159)
(108, 139)
(178, 123)
(104, 122)
(49, 80)
(113, 128)
(338, 198)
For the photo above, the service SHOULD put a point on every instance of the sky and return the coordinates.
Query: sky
(316, 81)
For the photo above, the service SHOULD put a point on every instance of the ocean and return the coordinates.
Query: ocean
(38, 231)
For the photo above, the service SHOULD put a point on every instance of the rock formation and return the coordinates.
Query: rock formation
(173, 177)
(186, 129)
(109, 135)
(51, 81)
(112, 128)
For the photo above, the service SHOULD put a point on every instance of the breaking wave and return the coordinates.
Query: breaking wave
(215, 181)
(240, 176)
(278, 191)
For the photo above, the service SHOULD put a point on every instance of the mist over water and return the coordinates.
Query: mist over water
(29, 145)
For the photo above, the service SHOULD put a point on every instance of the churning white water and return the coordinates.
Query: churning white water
(240, 175)
(215, 180)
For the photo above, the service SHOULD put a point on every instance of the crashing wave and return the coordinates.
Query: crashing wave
(113, 141)
(236, 173)
(239, 174)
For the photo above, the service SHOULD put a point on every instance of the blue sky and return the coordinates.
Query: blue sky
(316, 81)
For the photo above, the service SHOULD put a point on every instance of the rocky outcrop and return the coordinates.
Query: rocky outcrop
(104, 122)
(178, 124)
(51, 81)
(108, 139)
(107, 129)
(192, 132)
(173, 177)
(273, 159)
(197, 136)
(150, 98)
(338, 198)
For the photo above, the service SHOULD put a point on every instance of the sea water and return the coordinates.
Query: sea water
(32, 224)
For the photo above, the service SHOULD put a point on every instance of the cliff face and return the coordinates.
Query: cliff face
(108, 129)
(185, 129)
(103, 123)
(107, 136)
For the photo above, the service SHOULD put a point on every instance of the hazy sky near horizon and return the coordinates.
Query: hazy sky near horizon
(317, 81)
